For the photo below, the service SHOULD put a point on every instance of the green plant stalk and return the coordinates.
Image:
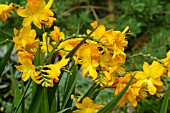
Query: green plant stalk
(73, 51)
(23, 96)
(6, 57)
(17, 92)
(69, 86)
(164, 105)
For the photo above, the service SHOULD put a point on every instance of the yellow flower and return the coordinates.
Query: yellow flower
(5, 11)
(25, 39)
(56, 34)
(37, 12)
(24, 54)
(52, 73)
(68, 45)
(166, 61)
(88, 63)
(150, 76)
(87, 106)
(27, 68)
(46, 47)
(131, 94)
(98, 32)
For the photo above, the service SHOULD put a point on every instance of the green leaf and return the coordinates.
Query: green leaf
(53, 107)
(4, 36)
(23, 97)
(69, 87)
(57, 100)
(36, 100)
(5, 42)
(64, 110)
(164, 105)
(44, 106)
(17, 92)
(51, 94)
(6, 57)
(109, 107)
(37, 90)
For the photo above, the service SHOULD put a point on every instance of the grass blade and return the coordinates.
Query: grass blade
(69, 87)
(6, 57)
(5, 36)
(17, 92)
(164, 105)
(37, 90)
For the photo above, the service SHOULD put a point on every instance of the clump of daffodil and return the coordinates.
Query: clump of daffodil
(25, 39)
(38, 12)
(87, 106)
(5, 10)
(150, 76)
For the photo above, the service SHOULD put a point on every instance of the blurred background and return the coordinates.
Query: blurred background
(148, 21)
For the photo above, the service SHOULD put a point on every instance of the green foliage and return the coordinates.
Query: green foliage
(148, 21)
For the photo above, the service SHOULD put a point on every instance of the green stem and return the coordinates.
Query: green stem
(23, 96)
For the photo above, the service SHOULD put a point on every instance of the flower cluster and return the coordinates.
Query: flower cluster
(102, 55)
(26, 42)
(5, 10)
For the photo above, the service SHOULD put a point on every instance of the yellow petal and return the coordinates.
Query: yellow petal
(157, 82)
(49, 4)
(146, 68)
(22, 12)
(151, 88)
(27, 21)
(140, 75)
(169, 73)
(36, 22)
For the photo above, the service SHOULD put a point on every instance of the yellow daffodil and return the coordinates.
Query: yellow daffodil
(25, 39)
(87, 106)
(150, 76)
(56, 34)
(26, 68)
(5, 11)
(166, 61)
(36, 11)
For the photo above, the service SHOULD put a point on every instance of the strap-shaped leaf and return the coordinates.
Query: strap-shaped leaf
(37, 90)
(17, 92)
(5, 36)
(164, 105)
(22, 98)
(109, 107)
(6, 57)
(69, 87)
